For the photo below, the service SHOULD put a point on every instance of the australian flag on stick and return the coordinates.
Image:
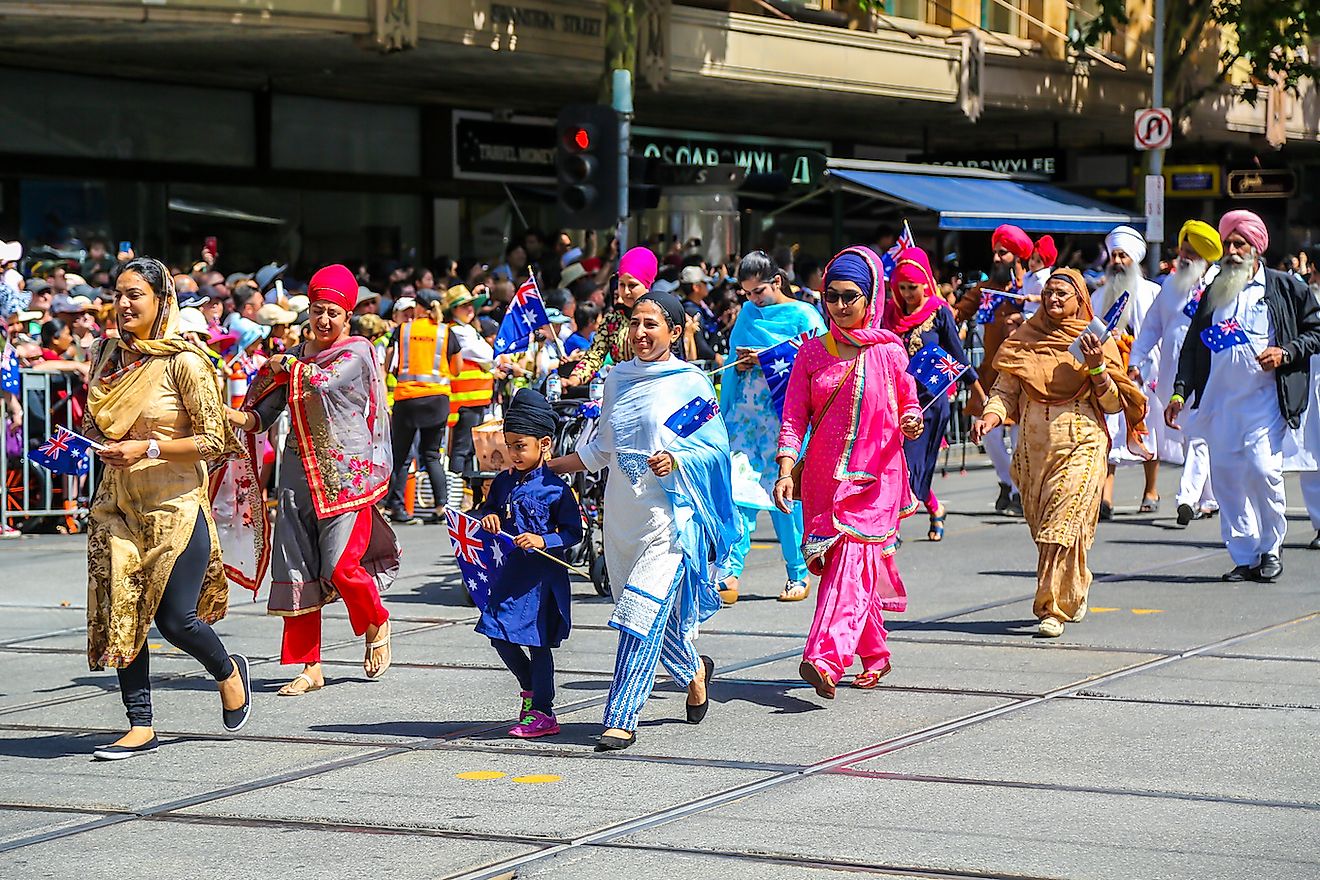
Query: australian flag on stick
(479, 554)
(936, 369)
(525, 316)
(65, 453)
(1115, 312)
(1226, 334)
(889, 259)
(11, 380)
(691, 416)
(1190, 309)
(777, 363)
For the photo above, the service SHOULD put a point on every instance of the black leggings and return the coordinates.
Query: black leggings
(176, 618)
(462, 451)
(430, 440)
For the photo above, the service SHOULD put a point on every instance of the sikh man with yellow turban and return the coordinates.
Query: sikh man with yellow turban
(1243, 375)
(1154, 360)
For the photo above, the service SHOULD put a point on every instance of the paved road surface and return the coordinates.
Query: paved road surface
(1173, 734)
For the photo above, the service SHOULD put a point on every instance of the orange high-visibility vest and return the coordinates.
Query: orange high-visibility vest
(420, 365)
(472, 386)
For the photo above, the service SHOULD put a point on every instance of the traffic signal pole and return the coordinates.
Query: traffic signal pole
(622, 101)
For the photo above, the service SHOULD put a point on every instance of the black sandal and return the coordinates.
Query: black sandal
(606, 743)
(695, 714)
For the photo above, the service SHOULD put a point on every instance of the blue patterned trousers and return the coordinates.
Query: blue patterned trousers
(636, 661)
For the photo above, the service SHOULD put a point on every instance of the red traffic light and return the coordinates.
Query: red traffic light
(582, 138)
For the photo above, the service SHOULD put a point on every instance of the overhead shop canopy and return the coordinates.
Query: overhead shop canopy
(970, 199)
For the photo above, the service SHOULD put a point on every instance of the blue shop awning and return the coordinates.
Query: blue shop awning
(983, 201)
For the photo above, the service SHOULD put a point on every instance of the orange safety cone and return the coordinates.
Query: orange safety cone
(237, 385)
(410, 490)
(70, 520)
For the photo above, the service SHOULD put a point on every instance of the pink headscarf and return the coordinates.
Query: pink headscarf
(913, 266)
(641, 264)
(1249, 226)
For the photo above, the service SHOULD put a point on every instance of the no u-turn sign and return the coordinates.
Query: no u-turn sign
(1153, 129)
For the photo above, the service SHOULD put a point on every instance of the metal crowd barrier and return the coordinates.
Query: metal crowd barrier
(47, 403)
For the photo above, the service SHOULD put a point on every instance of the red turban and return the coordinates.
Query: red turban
(1049, 252)
(1013, 240)
(336, 284)
(1247, 225)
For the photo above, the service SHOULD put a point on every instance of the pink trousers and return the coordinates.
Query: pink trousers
(857, 584)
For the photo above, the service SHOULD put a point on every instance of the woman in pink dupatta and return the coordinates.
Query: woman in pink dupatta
(330, 540)
(851, 392)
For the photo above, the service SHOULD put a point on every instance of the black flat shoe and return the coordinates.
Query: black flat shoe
(1271, 566)
(1315, 542)
(607, 743)
(695, 714)
(1239, 574)
(1106, 511)
(1005, 492)
(1185, 514)
(234, 719)
(119, 753)
(1014, 505)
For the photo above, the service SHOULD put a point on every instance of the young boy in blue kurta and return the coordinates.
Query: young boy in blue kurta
(527, 613)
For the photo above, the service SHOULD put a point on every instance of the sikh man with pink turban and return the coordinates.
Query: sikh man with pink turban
(1154, 360)
(1241, 397)
(1012, 248)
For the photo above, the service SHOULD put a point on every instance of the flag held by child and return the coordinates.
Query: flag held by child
(64, 453)
(525, 316)
(1226, 334)
(479, 554)
(11, 380)
(935, 368)
(777, 363)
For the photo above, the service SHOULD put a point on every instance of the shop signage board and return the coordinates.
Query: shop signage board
(1047, 163)
(1264, 183)
(755, 155)
(516, 149)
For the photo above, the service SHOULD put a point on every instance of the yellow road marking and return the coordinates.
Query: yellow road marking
(481, 774)
(153, 646)
(537, 779)
(1147, 611)
(1095, 610)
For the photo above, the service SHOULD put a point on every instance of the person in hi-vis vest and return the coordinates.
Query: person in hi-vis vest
(423, 357)
(473, 384)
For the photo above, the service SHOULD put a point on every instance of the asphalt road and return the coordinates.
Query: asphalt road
(1173, 734)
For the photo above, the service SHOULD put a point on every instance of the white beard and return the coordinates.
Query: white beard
(1232, 278)
(1117, 281)
(1188, 275)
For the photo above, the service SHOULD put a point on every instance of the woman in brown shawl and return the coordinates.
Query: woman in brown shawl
(152, 551)
(1060, 460)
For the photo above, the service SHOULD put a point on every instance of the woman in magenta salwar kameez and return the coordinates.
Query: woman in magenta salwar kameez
(850, 391)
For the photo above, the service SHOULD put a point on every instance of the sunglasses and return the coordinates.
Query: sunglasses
(833, 297)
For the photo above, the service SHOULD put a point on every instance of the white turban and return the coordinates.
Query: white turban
(1127, 240)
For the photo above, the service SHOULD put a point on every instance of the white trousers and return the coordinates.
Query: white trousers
(1311, 495)
(1248, 479)
(1196, 487)
(999, 452)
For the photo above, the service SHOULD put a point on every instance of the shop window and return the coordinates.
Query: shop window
(906, 8)
(318, 134)
(59, 114)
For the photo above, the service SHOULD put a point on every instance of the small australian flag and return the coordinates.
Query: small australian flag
(64, 453)
(936, 369)
(1116, 312)
(479, 554)
(11, 380)
(1190, 308)
(1226, 334)
(525, 316)
(777, 364)
(691, 416)
(889, 259)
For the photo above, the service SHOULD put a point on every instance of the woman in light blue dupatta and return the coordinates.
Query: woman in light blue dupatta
(768, 318)
(670, 519)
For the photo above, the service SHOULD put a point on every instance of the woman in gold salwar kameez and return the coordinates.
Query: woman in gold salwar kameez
(1060, 460)
(152, 552)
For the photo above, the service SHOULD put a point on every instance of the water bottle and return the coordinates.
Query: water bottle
(552, 384)
(596, 390)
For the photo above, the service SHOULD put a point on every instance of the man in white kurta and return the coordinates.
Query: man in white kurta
(1244, 396)
(1126, 250)
(1154, 361)
(1304, 445)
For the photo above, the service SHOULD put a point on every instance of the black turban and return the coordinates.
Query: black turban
(531, 414)
(669, 304)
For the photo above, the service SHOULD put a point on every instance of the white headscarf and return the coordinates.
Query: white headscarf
(1128, 240)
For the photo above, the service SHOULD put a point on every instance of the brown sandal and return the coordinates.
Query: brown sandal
(817, 679)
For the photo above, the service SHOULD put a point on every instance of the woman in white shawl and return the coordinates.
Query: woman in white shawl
(670, 519)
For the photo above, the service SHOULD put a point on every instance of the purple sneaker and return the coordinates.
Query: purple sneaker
(535, 724)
